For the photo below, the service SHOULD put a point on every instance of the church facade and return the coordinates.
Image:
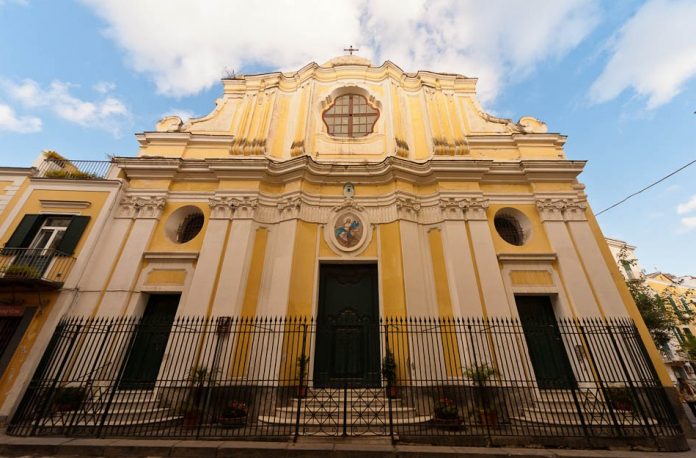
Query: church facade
(355, 197)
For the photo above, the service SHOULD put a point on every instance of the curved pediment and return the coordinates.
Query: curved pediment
(421, 114)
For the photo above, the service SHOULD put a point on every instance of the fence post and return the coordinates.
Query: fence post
(303, 326)
(389, 382)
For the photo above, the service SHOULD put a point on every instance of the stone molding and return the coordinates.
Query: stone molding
(562, 209)
(141, 207)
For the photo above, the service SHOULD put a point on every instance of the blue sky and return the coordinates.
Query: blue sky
(618, 78)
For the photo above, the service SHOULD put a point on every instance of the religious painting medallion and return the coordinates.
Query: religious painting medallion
(348, 231)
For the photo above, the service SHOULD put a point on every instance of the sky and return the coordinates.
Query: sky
(617, 77)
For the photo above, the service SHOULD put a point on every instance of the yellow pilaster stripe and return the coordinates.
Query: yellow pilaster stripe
(393, 289)
(420, 147)
(444, 305)
(300, 296)
(302, 277)
(251, 297)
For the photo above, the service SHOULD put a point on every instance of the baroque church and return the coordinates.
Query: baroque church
(348, 249)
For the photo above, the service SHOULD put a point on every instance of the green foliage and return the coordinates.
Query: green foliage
(302, 365)
(480, 373)
(389, 368)
(658, 319)
(234, 409)
(21, 271)
(446, 409)
(688, 346)
(69, 175)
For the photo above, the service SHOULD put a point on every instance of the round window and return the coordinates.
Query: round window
(184, 224)
(512, 226)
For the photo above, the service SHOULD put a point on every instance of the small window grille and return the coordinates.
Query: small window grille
(509, 229)
(189, 227)
(350, 116)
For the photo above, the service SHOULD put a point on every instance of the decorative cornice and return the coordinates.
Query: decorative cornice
(564, 209)
(49, 203)
(527, 257)
(170, 256)
(141, 207)
(346, 204)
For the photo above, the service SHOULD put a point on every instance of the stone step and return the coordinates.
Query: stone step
(323, 401)
(400, 412)
(135, 396)
(132, 414)
(120, 404)
(120, 422)
(356, 421)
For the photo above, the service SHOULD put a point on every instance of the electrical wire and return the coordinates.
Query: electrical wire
(646, 188)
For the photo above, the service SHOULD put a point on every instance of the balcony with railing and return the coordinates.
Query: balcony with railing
(34, 268)
(73, 170)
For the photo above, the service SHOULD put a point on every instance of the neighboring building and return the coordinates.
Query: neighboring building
(434, 250)
(679, 297)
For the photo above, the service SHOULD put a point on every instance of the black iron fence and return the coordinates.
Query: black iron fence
(29, 265)
(478, 381)
(74, 170)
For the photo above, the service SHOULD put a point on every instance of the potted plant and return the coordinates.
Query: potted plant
(481, 374)
(21, 271)
(302, 365)
(446, 412)
(192, 408)
(68, 398)
(389, 374)
(234, 414)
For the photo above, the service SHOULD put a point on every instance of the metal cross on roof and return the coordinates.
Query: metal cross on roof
(351, 49)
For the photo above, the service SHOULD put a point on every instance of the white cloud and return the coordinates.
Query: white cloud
(688, 224)
(653, 54)
(21, 124)
(108, 114)
(183, 113)
(185, 46)
(104, 87)
(688, 206)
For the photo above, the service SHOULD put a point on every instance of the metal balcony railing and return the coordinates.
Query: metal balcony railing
(31, 266)
(74, 170)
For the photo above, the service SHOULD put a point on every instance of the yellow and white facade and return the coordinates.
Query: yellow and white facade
(427, 184)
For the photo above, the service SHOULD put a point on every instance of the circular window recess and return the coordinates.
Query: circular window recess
(184, 224)
(512, 226)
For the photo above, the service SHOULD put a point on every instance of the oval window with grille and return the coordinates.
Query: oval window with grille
(184, 224)
(512, 226)
(190, 227)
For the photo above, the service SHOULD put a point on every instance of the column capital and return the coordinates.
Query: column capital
(407, 208)
(141, 206)
(569, 209)
(230, 207)
(474, 208)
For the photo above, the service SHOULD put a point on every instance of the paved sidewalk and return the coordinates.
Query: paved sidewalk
(363, 448)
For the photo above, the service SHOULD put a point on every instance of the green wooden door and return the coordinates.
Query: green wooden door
(544, 342)
(347, 340)
(150, 341)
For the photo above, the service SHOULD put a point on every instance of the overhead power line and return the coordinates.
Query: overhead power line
(646, 188)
